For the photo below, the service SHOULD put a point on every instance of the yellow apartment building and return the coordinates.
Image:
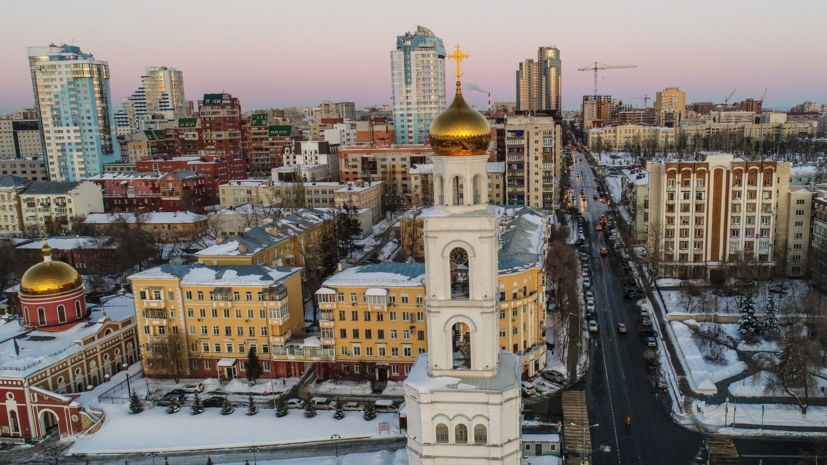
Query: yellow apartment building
(201, 321)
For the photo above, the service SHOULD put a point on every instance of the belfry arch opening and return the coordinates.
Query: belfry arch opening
(457, 191)
(460, 288)
(461, 346)
(479, 185)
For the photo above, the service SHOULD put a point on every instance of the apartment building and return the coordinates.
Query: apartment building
(595, 111)
(373, 315)
(314, 153)
(218, 313)
(707, 216)
(532, 151)
(634, 199)
(263, 141)
(670, 107)
(300, 173)
(56, 204)
(528, 86)
(33, 169)
(422, 183)
(161, 94)
(619, 137)
(379, 163)
(539, 83)
(220, 116)
(217, 168)
(167, 227)
(155, 192)
(20, 139)
(11, 218)
(375, 132)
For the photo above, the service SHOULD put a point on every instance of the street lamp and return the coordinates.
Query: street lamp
(255, 459)
(584, 428)
(336, 438)
(153, 455)
(126, 368)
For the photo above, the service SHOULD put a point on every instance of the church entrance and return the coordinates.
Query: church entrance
(461, 338)
(48, 422)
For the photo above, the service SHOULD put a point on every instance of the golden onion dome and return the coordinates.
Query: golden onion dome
(49, 277)
(460, 130)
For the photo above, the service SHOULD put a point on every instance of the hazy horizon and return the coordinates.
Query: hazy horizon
(271, 55)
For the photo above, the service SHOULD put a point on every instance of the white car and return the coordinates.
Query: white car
(528, 388)
(589, 295)
(322, 403)
(295, 403)
(590, 305)
(195, 387)
(353, 406)
(587, 282)
(592, 326)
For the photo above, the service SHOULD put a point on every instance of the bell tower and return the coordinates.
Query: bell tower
(465, 390)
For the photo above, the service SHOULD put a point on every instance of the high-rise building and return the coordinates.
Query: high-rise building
(528, 84)
(550, 72)
(221, 122)
(670, 107)
(539, 82)
(418, 82)
(347, 110)
(595, 111)
(73, 101)
(532, 153)
(161, 95)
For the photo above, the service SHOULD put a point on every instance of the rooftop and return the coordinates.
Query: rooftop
(8, 181)
(387, 275)
(50, 188)
(151, 217)
(219, 275)
(507, 377)
(70, 243)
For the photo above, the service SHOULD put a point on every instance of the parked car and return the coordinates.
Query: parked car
(587, 282)
(621, 328)
(583, 249)
(177, 394)
(652, 367)
(651, 342)
(644, 312)
(661, 382)
(593, 326)
(195, 387)
(353, 407)
(590, 305)
(295, 403)
(385, 405)
(634, 295)
(589, 295)
(214, 402)
(553, 376)
(584, 257)
(645, 321)
(528, 388)
(649, 332)
(322, 403)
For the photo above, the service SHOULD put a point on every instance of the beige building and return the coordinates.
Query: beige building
(422, 183)
(293, 173)
(33, 169)
(11, 220)
(528, 86)
(634, 199)
(20, 139)
(595, 111)
(533, 155)
(708, 216)
(670, 106)
(379, 163)
(56, 203)
(618, 137)
(314, 153)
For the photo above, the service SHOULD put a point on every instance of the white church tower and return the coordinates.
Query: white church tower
(463, 396)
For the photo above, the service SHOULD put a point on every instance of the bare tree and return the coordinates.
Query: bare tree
(168, 357)
(650, 264)
(792, 374)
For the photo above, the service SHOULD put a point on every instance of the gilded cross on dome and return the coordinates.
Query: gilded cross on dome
(458, 56)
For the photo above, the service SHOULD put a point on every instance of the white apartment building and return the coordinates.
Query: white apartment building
(418, 84)
(342, 134)
(161, 94)
(58, 203)
(10, 218)
(73, 101)
(314, 153)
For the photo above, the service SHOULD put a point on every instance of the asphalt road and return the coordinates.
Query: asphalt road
(617, 385)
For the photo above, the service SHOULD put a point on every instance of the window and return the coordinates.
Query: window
(393, 334)
(461, 434)
(392, 316)
(355, 334)
(480, 435)
(354, 315)
(441, 434)
(367, 315)
(343, 333)
(61, 313)
(78, 312)
(41, 316)
(395, 352)
(381, 350)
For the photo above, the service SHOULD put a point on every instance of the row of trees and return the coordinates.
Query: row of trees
(562, 279)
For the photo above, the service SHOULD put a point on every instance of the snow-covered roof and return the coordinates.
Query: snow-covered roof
(428, 168)
(549, 437)
(353, 187)
(39, 349)
(507, 377)
(638, 176)
(219, 275)
(70, 243)
(388, 275)
(523, 239)
(152, 217)
(808, 169)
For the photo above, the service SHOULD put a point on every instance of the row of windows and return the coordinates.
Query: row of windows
(380, 334)
(381, 351)
(61, 314)
(461, 434)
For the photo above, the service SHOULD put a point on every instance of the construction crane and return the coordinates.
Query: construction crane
(726, 100)
(602, 66)
(645, 99)
(476, 88)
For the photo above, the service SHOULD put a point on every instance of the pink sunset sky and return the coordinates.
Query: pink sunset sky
(274, 54)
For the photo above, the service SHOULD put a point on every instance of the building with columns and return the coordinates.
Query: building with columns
(463, 395)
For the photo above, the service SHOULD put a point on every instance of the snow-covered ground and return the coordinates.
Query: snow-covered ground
(716, 301)
(704, 373)
(383, 457)
(344, 388)
(394, 388)
(614, 187)
(774, 414)
(388, 252)
(156, 430)
(614, 159)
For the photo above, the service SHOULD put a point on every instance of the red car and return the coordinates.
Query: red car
(604, 251)
(599, 227)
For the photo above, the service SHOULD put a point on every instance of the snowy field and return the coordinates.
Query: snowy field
(614, 159)
(715, 301)
(156, 430)
(399, 457)
(344, 388)
(774, 415)
(704, 373)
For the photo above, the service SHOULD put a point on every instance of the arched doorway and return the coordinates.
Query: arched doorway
(48, 422)
(461, 346)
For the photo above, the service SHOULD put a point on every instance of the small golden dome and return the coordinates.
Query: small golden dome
(49, 277)
(460, 130)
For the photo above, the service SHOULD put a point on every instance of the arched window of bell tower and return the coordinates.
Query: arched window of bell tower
(457, 191)
(439, 190)
(479, 186)
(460, 277)
(461, 346)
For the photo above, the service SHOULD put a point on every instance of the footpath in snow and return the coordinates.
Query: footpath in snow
(156, 430)
(399, 457)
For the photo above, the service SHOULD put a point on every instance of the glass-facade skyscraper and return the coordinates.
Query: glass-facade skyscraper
(418, 82)
(74, 105)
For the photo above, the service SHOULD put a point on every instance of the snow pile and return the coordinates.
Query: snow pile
(697, 365)
(388, 252)
(354, 388)
(156, 430)
(394, 388)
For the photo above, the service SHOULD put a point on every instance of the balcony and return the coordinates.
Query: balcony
(160, 313)
(305, 352)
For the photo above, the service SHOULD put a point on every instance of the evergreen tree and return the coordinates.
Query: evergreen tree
(209, 461)
(370, 411)
(748, 324)
(347, 229)
(770, 325)
(251, 406)
(253, 367)
(281, 408)
(340, 411)
(309, 410)
(135, 405)
(173, 406)
(197, 406)
(227, 408)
